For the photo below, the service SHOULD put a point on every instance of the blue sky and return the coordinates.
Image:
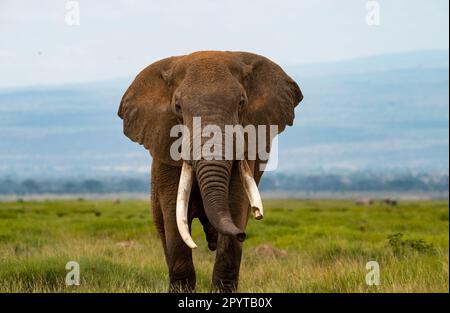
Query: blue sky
(118, 38)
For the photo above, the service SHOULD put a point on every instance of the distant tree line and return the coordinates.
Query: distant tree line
(73, 186)
(356, 182)
(360, 181)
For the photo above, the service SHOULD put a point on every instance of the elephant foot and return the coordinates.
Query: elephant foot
(181, 286)
(224, 286)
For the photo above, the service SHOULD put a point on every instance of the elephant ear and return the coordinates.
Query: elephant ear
(272, 97)
(272, 94)
(146, 111)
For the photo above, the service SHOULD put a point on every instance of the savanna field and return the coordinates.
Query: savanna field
(300, 246)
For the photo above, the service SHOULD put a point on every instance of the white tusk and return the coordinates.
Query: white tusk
(251, 189)
(184, 191)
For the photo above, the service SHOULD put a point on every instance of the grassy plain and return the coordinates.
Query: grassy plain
(300, 246)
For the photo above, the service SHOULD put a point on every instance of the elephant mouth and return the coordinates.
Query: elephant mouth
(184, 191)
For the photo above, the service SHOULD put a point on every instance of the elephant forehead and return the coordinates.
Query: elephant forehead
(212, 63)
(207, 80)
(213, 55)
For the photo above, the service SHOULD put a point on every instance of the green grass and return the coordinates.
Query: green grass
(300, 246)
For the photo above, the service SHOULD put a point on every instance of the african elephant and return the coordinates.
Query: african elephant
(222, 88)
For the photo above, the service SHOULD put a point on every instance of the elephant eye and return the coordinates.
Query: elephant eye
(242, 102)
(177, 108)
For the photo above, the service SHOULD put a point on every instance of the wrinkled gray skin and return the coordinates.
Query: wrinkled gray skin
(223, 88)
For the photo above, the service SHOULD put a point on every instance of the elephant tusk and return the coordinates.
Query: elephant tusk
(184, 191)
(251, 189)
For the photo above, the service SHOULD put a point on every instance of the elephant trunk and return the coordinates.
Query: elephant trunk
(213, 178)
(213, 175)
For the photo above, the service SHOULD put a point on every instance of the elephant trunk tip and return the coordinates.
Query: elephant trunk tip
(231, 230)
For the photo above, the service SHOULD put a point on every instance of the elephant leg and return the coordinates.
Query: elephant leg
(178, 254)
(226, 267)
(229, 250)
(178, 257)
(158, 219)
(210, 233)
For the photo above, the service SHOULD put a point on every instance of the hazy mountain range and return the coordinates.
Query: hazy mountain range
(387, 113)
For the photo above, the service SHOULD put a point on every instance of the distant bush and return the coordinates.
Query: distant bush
(401, 246)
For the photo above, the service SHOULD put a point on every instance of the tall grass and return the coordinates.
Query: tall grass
(300, 246)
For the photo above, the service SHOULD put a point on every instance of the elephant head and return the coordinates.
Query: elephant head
(223, 88)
